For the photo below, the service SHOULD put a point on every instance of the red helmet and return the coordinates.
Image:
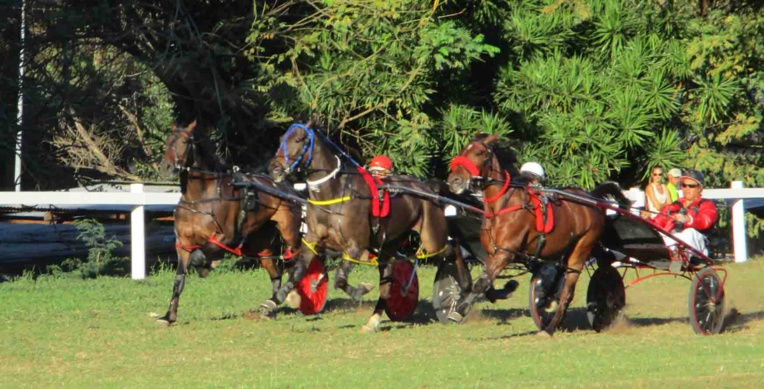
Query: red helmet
(381, 162)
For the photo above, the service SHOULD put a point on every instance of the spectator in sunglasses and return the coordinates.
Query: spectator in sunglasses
(673, 177)
(690, 216)
(656, 193)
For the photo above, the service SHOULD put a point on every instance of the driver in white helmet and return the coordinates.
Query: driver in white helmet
(533, 172)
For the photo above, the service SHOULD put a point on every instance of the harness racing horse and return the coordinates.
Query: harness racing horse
(515, 230)
(213, 216)
(349, 214)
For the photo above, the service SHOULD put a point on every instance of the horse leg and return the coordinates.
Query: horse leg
(566, 297)
(385, 279)
(268, 307)
(464, 278)
(495, 263)
(199, 262)
(273, 272)
(184, 259)
(576, 263)
(341, 282)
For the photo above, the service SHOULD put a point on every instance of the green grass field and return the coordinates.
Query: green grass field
(100, 333)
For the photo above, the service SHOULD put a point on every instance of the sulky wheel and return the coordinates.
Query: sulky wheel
(706, 302)
(544, 296)
(313, 288)
(404, 291)
(446, 291)
(605, 298)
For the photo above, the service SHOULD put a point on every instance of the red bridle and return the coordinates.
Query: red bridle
(475, 172)
(465, 163)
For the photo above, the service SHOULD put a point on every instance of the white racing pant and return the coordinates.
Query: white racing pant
(690, 237)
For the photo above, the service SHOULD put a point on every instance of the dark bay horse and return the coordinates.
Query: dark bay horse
(510, 231)
(213, 216)
(341, 214)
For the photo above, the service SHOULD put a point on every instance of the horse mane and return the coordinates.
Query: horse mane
(348, 144)
(207, 155)
(505, 154)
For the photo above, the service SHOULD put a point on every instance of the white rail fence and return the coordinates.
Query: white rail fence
(137, 200)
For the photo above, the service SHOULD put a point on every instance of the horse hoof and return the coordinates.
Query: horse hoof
(162, 322)
(455, 317)
(365, 287)
(268, 309)
(293, 300)
(543, 334)
(369, 328)
(362, 289)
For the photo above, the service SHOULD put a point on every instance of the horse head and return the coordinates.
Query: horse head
(296, 148)
(474, 165)
(179, 147)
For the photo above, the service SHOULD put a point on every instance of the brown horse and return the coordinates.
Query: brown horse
(510, 231)
(213, 216)
(341, 214)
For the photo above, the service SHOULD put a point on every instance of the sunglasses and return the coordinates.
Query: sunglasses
(657, 174)
(693, 186)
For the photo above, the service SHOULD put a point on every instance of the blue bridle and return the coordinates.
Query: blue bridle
(306, 147)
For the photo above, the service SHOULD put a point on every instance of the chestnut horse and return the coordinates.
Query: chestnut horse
(510, 227)
(213, 216)
(340, 215)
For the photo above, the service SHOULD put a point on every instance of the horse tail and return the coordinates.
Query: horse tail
(611, 189)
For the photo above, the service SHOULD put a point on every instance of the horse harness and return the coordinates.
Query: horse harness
(540, 205)
(248, 202)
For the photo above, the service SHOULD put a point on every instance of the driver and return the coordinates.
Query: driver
(533, 172)
(380, 166)
(688, 217)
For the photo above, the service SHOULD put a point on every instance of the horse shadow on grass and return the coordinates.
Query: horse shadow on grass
(575, 320)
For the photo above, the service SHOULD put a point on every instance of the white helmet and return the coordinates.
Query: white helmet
(533, 168)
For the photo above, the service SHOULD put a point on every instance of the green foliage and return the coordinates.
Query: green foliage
(592, 89)
(100, 259)
(371, 69)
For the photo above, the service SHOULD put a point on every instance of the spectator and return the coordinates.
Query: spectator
(656, 192)
(687, 218)
(673, 178)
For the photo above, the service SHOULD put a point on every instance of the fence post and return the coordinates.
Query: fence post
(738, 226)
(137, 238)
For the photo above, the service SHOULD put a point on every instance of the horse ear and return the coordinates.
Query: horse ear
(314, 120)
(173, 126)
(191, 126)
(491, 138)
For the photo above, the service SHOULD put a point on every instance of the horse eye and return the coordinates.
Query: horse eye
(300, 140)
(480, 153)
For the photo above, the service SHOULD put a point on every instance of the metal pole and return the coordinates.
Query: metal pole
(20, 117)
(739, 237)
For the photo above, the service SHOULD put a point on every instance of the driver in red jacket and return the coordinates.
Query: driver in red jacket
(687, 217)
